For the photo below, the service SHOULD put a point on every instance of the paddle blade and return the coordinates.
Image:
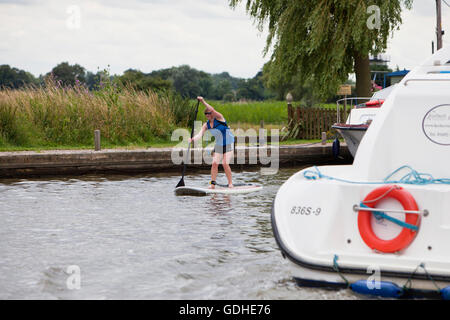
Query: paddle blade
(181, 183)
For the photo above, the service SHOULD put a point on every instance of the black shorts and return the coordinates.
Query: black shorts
(223, 149)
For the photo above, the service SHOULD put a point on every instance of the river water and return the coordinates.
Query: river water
(131, 237)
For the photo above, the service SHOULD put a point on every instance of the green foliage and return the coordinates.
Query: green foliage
(319, 41)
(191, 83)
(15, 78)
(141, 81)
(188, 82)
(305, 92)
(254, 89)
(182, 110)
(68, 75)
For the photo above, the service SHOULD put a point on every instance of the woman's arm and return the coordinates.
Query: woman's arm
(214, 112)
(200, 134)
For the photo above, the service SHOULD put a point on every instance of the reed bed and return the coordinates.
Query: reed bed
(67, 116)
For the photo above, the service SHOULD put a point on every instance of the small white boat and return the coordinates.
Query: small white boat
(380, 226)
(360, 117)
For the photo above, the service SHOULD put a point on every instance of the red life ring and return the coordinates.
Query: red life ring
(405, 237)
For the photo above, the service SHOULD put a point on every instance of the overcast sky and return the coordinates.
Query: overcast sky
(155, 34)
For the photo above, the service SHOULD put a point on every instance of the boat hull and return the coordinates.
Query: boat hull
(325, 246)
(352, 135)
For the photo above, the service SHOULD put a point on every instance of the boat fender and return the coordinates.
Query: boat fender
(379, 288)
(445, 293)
(336, 147)
(406, 236)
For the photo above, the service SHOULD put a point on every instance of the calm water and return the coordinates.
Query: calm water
(132, 238)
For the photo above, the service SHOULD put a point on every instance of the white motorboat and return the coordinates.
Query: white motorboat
(360, 117)
(380, 226)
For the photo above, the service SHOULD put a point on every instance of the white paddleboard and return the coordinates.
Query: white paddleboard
(201, 191)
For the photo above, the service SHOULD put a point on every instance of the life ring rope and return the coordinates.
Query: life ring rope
(382, 215)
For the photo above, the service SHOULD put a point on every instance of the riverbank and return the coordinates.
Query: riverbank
(23, 164)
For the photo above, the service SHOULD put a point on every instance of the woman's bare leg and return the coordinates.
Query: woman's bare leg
(215, 167)
(226, 167)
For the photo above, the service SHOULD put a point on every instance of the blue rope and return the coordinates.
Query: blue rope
(382, 215)
(412, 177)
(336, 268)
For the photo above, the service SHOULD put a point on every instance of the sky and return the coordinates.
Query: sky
(154, 34)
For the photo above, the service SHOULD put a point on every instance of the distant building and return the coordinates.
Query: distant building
(394, 77)
(379, 67)
(379, 59)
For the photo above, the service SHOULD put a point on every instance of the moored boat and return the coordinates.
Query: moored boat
(361, 116)
(380, 226)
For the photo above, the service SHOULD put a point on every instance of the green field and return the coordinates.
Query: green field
(271, 112)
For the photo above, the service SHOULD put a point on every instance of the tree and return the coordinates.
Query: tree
(187, 81)
(301, 91)
(15, 78)
(252, 89)
(68, 74)
(325, 40)
(93, 80)
(141, 81)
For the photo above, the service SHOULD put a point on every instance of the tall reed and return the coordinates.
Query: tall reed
(53, 115)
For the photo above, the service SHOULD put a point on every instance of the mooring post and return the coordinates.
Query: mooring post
(324, 138)
(291, 113)
(262, 137)
(97, 140)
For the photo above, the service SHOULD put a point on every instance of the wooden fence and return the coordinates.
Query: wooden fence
(311, 122)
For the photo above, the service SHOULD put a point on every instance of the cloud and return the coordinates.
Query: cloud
(153, 34)
(411, 45)
(145, 35)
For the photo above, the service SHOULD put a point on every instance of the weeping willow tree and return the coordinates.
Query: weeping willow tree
(323, 41)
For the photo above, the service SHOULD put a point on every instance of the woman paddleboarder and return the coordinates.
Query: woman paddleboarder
(223, 149)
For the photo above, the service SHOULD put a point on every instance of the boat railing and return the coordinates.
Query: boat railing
(353, 104)
(410, 80)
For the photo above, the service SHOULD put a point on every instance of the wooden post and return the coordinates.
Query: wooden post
(262, 138)
(97, 140)
(439, 24)
(291, 117)
(345, 108)
(299, 117)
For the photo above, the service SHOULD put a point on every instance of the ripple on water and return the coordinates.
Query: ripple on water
(132, 238)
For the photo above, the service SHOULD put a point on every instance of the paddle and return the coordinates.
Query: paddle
(181, 183)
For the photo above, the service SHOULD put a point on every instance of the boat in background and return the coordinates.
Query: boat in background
(361, 116)
(380, 226)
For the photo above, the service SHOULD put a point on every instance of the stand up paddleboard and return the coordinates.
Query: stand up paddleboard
(201, 191)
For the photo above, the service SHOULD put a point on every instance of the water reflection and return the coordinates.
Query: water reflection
(220, 204)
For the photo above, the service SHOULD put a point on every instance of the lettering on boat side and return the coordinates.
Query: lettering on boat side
(436, 125)
(305, 211)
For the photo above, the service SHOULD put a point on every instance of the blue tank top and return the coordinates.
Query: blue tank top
(221, 133)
